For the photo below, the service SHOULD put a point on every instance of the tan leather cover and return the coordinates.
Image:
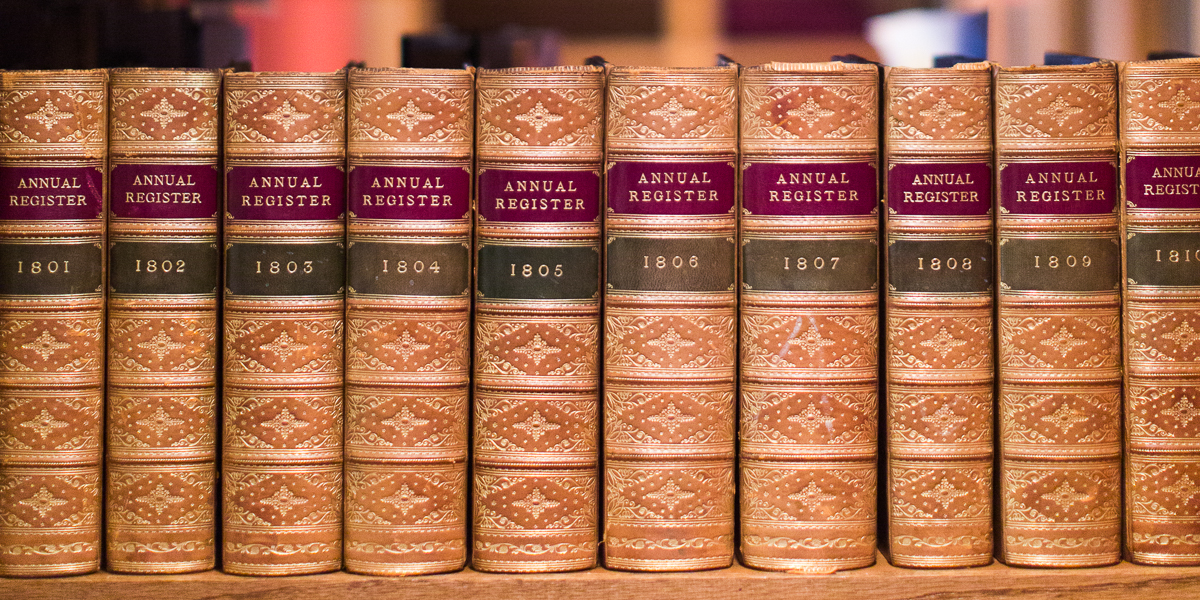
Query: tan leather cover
(282, 447)
(1160, 128)
(408, 349)
(1059, 314)
(670, 330)
(537, 367)
(52, 123)
(938, 144)
(809, 352)
(162, 347)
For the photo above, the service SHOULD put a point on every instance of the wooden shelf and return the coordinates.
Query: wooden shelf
(882, 581)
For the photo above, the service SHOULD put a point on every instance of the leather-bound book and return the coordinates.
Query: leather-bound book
(537, 320)
(809, 317)
(1160, 125)
(408, 319)
(670, 318)
(940, 269)
(53, 141)
(1059, 305)
(285, 188)
(164, 190)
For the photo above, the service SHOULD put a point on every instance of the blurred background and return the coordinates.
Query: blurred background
(318, 35)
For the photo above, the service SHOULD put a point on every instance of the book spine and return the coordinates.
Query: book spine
(1059, 316)
(53, 142)
(537, 321)
(284, 247)
(670, 318)
(163, 259)
(408, 317)
(1161, 221)
(940, 369)
(809, 316)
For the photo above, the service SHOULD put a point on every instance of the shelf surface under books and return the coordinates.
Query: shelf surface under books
(883, 581)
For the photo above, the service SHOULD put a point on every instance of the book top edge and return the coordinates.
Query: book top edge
(937, 77)
(960, 68)
(678, 75)
(267, 79)
(166, 71)
(543, 79)
(812, 67)
(1095, 67)
(408, 71)
(1182, 67)
(56, 72)
(184, 78)
(561, 69)
(49, 79)
(400, 77)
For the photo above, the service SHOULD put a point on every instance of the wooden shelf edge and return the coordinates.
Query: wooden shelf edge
(882, 581)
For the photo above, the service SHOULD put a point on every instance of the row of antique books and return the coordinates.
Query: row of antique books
(352, 269)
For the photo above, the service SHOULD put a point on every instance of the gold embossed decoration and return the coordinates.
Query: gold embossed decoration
(670, 338)
(407, 349)
(162, 344)
(1160, 126)
(1059, 342)
(53, 142)
(939, 337)
(537, 355)
(283, 330)
(809, 356)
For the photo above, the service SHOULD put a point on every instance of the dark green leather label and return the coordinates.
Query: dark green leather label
(690, 264)
(1163, 258)
(294, 269)
(1060, 264)
(50, 269)
(940, 266)
(538, 272)
(178, 268)
(408, 269)
(776, 265)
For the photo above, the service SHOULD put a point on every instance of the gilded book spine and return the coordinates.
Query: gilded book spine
(284, 298)
(938, 175)
(1161, 131)
(670, 318)
(164, 186)
(537, 324)
(53, 142)
(408, 318)
(810, 313)
(1059, 316)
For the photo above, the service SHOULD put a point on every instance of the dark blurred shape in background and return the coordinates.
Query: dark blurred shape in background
(323, 35)
(84, 34)
(510, 46)
(595, 18)
(447, 49)
(51, 34)
(782, 17)
(515, 46)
